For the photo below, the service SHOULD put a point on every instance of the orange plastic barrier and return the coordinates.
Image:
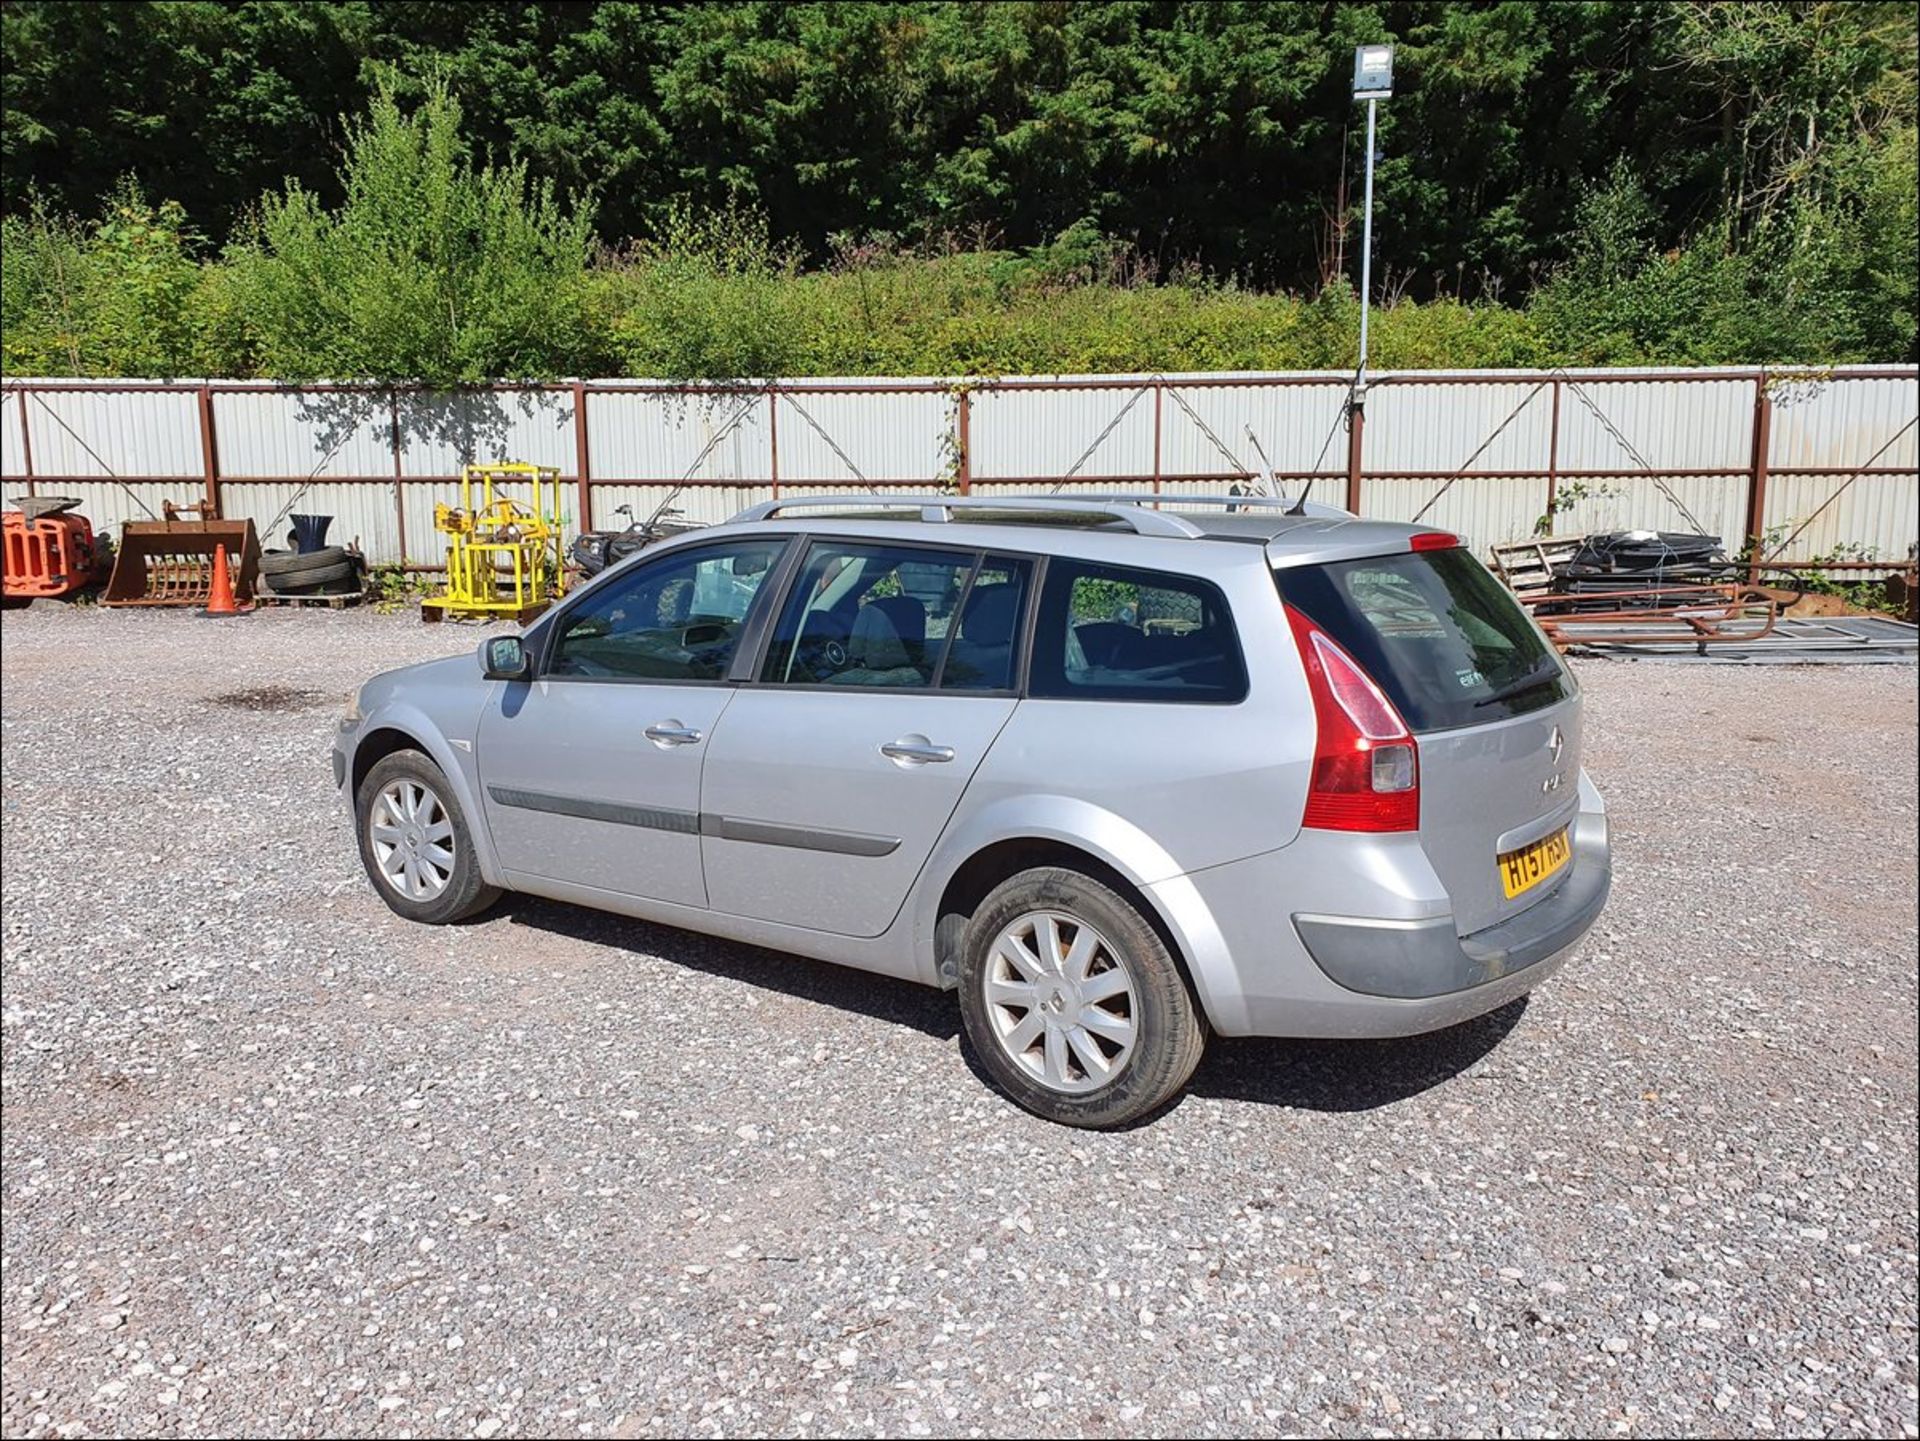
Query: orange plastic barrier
(47, 553)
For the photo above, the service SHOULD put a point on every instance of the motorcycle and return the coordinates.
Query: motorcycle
(593, 551)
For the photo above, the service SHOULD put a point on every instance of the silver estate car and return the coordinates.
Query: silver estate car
(1119, 775)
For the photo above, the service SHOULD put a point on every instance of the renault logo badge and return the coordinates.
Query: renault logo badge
(1555, 743)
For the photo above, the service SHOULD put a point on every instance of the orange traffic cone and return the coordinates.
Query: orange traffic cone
(220, 602)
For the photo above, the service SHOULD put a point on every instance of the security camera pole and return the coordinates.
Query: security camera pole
(1372, 82)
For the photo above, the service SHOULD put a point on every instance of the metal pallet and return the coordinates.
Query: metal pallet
(1800, 639)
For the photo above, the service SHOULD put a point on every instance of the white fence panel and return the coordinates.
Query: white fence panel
(898, 436)
(1441, 427)
(145, 433)
(1845, 422)
(1880, 515)
(362, 512)
(107, 504)
(1297, 425)
(1692, 425)
(271, 440)
(1718, 506)
(1482, 510)
(13, 438)
(439, 433)
(296, 433)
(658, 435)
(1027, 433)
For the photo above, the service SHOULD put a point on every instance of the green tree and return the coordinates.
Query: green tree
(117, 297)
(431, 269)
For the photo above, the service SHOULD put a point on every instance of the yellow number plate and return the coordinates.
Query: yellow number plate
(1525, 868)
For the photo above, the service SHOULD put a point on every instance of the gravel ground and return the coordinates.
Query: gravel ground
(279, 1163)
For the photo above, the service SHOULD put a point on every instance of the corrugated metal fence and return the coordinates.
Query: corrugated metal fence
(1812, 461)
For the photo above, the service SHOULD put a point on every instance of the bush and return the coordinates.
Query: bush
(432, 269)
(711, 298)
(115, 298)
(1809, 283)
(438, 270)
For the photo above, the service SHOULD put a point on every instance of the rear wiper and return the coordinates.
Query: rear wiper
(1532, 680)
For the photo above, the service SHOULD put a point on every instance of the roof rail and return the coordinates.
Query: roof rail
(938, 510)
(1231, 502)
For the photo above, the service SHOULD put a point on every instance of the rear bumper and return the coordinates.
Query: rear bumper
(1413, 960)
(1332, 938)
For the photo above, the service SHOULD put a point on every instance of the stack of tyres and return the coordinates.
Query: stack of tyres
(1648, 563)
(330, 570)
(313, 567)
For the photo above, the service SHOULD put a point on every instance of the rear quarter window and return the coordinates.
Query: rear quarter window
(1446, 641)
(1114, 633)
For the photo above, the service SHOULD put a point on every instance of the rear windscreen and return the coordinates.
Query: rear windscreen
(1444, 639)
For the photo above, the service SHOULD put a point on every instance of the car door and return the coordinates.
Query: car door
(590, 772)
(889, 673)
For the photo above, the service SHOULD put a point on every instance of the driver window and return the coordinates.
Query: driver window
(868, 615)
(676, 618)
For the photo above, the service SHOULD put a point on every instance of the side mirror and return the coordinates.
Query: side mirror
(503, 657)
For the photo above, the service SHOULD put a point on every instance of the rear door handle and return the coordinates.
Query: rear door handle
(916, 751)
(671, 733)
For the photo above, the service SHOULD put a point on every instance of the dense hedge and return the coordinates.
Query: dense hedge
(438, 268)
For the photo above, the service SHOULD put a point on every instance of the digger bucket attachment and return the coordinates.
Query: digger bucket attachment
(170, 562)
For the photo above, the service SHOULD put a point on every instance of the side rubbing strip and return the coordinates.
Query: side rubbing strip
(806, 838)
(653, 818)
(730, 828)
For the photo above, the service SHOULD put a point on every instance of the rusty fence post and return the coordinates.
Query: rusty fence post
(581, 469)
(209, 453)
(965, 472)
(399, 500)
(1757, 476)
(773, 439)
(26, 440)
(1553, 458)
(1159, 390)
(1356, 432)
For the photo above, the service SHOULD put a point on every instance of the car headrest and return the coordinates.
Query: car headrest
(908, 615)
(878, 642)
(990, 614)
(1103, 640)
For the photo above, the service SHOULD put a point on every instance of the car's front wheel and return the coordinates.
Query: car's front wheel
(415, 842)
(1073, 1002)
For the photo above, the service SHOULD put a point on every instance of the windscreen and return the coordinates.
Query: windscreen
(1445, 640)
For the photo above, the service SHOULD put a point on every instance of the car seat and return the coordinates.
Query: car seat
(982, 652)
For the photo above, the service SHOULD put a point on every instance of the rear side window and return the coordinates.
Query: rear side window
(1445, 640)
(899, 617)
(1112, 633)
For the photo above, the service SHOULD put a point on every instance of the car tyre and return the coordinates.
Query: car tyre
(295, 565)
(1118, 1032)
(415, 842)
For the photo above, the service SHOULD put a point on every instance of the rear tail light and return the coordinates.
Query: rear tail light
(1433, 540)
(1366, 763)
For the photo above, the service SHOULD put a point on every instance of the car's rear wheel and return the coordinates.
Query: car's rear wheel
(415, 843)
(1073, 1003)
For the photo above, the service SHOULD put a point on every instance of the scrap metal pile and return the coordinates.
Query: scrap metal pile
(1679, 594)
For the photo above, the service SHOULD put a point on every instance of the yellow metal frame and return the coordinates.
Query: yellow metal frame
(497, 546)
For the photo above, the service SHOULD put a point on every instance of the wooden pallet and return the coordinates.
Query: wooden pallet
(1527, 566)
(331, 602)
(432, 611)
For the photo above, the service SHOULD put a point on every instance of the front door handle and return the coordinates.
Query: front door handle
(669, 733)
(915, 750)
